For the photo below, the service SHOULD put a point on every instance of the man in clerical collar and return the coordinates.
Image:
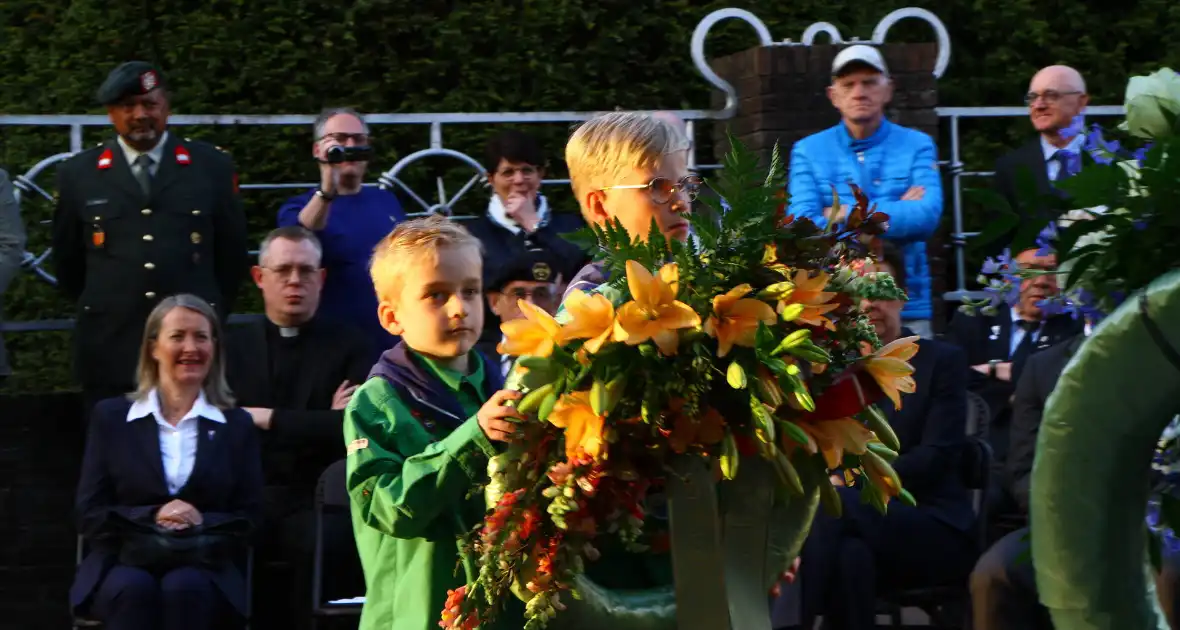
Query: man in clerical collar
(295, 375)
(530, 277)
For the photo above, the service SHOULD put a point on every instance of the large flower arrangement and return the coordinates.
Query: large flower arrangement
(746, 342)
(1098, 228)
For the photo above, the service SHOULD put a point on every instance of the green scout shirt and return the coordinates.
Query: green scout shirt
(412, 498)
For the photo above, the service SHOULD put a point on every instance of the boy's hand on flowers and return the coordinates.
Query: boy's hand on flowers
(496, 419)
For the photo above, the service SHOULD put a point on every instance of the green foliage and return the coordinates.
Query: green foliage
(233, 56)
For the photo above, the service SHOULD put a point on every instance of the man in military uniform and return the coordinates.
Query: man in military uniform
(142, 216)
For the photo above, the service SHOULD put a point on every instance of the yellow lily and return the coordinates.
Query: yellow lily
(532, 336)
(890, 368)
(735, 319)
(833, 438)
(810, 293)
(583, 427)
(592, 317)
(654, 312)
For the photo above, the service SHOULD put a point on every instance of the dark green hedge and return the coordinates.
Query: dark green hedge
(294, 56)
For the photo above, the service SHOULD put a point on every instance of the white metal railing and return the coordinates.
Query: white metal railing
(26, 183)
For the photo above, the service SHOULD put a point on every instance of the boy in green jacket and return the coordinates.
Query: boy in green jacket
(419, 432)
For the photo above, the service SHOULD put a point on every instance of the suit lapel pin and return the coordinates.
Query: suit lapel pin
(995, 333)
(105, 160)
(182, 156)
(210, 433)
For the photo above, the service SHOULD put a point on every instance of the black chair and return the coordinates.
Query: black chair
(331, 497)
(948, 604)
(86, 622)
(979, 416)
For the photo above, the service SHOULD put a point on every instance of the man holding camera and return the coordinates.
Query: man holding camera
(349, 220)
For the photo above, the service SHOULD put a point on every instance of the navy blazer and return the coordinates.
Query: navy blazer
(123, 474)
(932, 428)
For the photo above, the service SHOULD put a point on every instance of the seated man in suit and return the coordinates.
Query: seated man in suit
(848, 561)
(1056, 96)
(1003, 583)
(294, 374)
(997, 348)
(895, 166)
(530, 276)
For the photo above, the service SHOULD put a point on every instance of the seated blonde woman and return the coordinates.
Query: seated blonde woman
(170, 486)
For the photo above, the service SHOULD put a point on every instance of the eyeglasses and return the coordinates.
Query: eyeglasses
(662, 189)
(1050, 96)
(539, 294)
(305, 272)
(358, 139)
(510, 172)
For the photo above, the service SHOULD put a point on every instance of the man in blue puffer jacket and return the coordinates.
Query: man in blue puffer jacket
(896, 167)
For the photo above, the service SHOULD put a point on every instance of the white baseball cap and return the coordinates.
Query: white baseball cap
(859, 53)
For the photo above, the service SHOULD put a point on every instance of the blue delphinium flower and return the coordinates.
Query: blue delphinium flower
(992, 266)
(1140, 154)
(1100, 149)
(1045, 239)
(1075, 127)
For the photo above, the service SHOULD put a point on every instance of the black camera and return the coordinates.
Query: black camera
(339, 154)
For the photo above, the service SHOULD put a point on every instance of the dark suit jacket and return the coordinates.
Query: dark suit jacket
(307, 436)
(118, 252)
(932, 428)
(1037, 382)
(974, 334)
(1028, 157)
(123, 474)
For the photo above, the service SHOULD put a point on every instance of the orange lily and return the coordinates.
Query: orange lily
(810, 293)
(592, 317)
(833, 438)
(583, 427)
(532, 336)
(883, 476)
(736, 317)
(654, 312)
(707, 429)
(890, 368)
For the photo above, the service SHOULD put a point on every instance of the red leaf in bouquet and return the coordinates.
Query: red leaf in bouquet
(848, 395)
(875, 224)
(745, 444)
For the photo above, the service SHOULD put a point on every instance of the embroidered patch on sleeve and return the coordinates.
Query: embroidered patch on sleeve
(357, 445)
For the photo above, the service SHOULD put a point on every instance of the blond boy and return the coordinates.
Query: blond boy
(632, 167)
(419, 432)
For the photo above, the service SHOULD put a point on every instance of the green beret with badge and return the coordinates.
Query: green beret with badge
(534, 265)
(133, 78)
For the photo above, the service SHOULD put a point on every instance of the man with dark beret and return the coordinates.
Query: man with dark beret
(142, 216)
(530, 276)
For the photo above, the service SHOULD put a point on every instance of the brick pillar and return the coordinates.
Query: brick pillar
(782, 98)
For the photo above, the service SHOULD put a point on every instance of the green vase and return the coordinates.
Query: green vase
(1094, 453)
(751, 533)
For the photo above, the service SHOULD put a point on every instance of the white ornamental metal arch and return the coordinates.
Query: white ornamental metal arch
(445, 205)
(26, 184)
